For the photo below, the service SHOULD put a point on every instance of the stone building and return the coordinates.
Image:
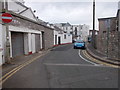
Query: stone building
(107, 40)
(118, 29)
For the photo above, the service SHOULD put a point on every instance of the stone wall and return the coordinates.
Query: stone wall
(107, 39)
(118, 18)
(20, 21)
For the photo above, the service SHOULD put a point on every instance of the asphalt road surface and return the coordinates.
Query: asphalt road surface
(64, 67)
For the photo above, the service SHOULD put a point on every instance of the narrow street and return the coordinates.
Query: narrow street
(64, 67)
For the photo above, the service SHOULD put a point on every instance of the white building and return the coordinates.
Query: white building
(1, 46)
(77, 32)
(85, 32)
(66, 36)
(61, 37)
(80, 32)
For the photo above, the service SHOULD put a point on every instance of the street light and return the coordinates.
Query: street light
(93, 32)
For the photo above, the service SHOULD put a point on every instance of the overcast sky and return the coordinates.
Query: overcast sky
(79, 12)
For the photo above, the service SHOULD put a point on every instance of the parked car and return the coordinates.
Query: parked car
(79, 44)
(89, 39)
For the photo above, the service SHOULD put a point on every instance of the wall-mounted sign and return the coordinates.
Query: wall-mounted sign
(6, 17)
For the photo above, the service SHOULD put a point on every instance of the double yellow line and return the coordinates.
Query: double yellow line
(12, 72)
(98, 61)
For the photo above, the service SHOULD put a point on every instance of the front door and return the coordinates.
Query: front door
(59, 40)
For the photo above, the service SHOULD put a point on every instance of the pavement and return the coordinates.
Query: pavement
(17, 61)
(99, 56)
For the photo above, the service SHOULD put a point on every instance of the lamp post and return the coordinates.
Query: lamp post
(93, 31)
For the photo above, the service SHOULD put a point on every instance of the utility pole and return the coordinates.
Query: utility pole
(7, 37)
(93, 31)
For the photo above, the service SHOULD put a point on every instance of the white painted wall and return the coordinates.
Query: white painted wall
(1, 47)
(85, 32)
(22, 29)
(3, 42)
(10, 44)
(82, 30)
(33, 43)
(30, 42)
(68, 38)
(29, 14)
(63, 40)
(17, 8)
(13, 6)
(58, 35)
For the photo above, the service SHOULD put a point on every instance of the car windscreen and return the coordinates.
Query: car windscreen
(79, 42)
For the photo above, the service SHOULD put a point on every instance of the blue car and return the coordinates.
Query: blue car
(79, 44)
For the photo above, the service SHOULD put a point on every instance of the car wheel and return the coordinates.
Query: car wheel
(84, 47)
(74, 47)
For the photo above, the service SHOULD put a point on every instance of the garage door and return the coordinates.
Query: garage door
(17, 44)
(37, 42)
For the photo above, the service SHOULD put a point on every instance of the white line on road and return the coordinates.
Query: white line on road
(68, 64)
(86, 59)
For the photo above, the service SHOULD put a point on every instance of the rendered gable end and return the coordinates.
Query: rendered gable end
(20, 8)
(28, 12)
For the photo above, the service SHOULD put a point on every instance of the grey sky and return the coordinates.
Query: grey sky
(73, 12)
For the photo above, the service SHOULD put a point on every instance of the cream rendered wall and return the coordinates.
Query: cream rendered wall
(85, 32)
(33, 43)
(3, 42)
(68, 38)
(55, 33)
(30, 42)
(29, 14)
(15, 7)
(1, 47)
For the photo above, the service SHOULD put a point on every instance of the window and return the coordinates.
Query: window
(71, 32)
(64, 36)
(75, 30)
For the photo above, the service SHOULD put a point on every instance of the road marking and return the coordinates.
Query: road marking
(12, 72)
(97, 61)
(91, 58)
(61, 64)
(86, 59)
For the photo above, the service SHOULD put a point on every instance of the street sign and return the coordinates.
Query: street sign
(6, 17)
